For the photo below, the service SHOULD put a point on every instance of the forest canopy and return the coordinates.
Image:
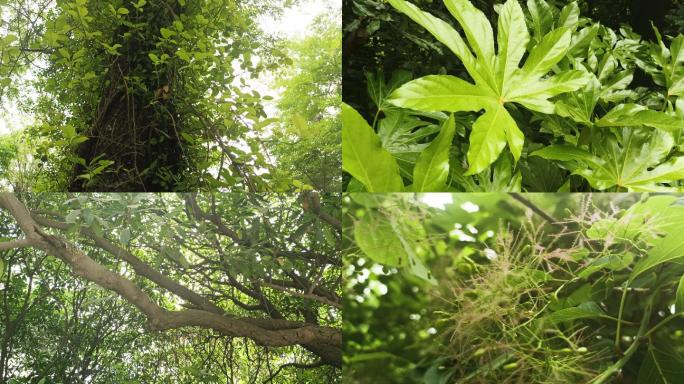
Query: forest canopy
(142, 288)
(166, 95)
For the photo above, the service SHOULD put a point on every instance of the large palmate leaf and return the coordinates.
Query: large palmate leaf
(364, 157)
(498, 79)
(633, 160)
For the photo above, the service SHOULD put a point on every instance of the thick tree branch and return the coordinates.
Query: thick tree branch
(22, 243)
(139, 266)
(324, 341)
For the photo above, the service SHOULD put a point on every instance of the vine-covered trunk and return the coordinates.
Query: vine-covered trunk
(136, 124)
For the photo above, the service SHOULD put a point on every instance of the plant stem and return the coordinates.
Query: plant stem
(663, 322)
(375, 119)
(610, 371)
(622, 307)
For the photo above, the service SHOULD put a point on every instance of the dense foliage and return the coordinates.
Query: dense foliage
(548, 103)
(146, 95)
(308, 141)
(119, 288)
(496, 288)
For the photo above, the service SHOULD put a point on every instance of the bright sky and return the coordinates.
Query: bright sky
(295, 21)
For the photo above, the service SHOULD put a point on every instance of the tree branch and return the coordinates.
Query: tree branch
(534, 208)
(325, 341)
(296, 365)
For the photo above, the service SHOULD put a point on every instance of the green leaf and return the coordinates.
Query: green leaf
(69, 132)
(547, 53)
(125, 236)
(443, 32)
(166, 33)
(513, 38)
(416, 265)
(364, 157)
(665, 249)
(659, 367)
(479, 33)
(534, 94)
(633, 159)
(375, 236)
(488, 138)
(629, 115)
(567, 153)
(442, 93)
(432, 169)
(122, 11)
(614, 262)
(585, 310)
(679, 297)
(569, 16)
(2, 268)
(542, 17)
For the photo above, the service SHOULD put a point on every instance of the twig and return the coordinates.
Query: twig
(534, 208)
(296, 365)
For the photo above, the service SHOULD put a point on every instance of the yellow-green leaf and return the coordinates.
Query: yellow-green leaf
(364, 157)
(432, 169)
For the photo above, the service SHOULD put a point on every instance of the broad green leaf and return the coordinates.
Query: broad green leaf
(659, 367)
(679, 297)
(432, 169)
(579, 106)
(363, 156)
(415, 264)
(534, 94)
(443, 32)
(488, 138)
(582, 39)
(569, 16)
(583, 311)
(633, 159)
(656, 213)
(542, 17)
(390, 242)
(629, 115)
(403, 134)
(513, 38)
(376, 238)
(567, 153)
(495, 127)
(547, 53)
(668, 248)
(442, 93)
(479, 33)
(166, 33)
(672, 170)
(614, 262)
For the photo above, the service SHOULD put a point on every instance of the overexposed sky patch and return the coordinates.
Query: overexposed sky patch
(296, 21)
(436, 200)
